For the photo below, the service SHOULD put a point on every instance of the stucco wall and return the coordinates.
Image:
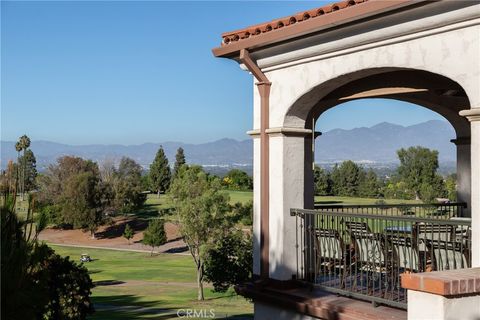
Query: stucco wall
(453, 54)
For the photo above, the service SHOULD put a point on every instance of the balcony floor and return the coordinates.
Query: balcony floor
(317, 303)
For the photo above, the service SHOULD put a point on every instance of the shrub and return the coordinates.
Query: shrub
(155, 234)
(229, 261)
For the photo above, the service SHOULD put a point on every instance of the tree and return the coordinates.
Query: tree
(23, 143)
(238, 180)
(229, 261)
(369, 185)
(28, 164)
(8, 180)
(451, 187)
(243, 213)
(37, 283)
(83, 202)
(127, 186)
(346, 179)
(73, 192)
(179, 161)
(69, 288)
(322, 182)
(108, 171)
(155, 235)
(128, 233)
(22, 298)
(160, 172)
(200, 211)
(418, 169)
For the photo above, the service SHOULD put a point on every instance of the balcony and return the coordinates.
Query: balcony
(360, 251)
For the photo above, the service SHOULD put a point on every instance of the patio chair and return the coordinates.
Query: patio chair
(370, 257)
(435, 232)
(440, 232)
(406, 255)
(448, 255)
(369, 247)
(329, 248)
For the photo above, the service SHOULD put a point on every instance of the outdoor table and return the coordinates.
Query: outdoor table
(399, 229)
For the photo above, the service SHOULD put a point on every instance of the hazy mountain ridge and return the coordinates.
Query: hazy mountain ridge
(380, 142)
(377, 144)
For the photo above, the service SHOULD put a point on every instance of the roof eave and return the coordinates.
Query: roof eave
(350, 14)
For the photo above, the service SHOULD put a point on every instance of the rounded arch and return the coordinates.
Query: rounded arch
(430, 90)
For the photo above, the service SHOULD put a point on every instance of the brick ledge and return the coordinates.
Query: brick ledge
(445, 283)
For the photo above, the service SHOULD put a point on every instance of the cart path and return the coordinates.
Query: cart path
(116, 249)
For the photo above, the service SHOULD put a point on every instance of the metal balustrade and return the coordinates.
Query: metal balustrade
(362, 255)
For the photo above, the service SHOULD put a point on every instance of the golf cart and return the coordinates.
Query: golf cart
(85, 258)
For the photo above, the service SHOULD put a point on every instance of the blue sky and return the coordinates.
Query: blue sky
(135, 72)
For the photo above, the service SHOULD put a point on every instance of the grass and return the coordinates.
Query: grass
(156, 205)
(360, 201)
(132, 285)
(240, 196)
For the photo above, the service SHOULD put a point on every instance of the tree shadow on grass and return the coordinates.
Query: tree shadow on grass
(117, 230)
(177, 250)
(94, 271)
(146, 213)
(328, 202)
(107, 282)
(130, 307)
(227, 295)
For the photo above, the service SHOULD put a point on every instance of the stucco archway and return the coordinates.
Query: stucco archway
(426, 89)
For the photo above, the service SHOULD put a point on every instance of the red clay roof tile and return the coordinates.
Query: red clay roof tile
(255, 30)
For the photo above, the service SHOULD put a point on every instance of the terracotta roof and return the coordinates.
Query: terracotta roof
(307, 22)
(252, 31)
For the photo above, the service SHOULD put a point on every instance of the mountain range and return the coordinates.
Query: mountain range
(374, 145)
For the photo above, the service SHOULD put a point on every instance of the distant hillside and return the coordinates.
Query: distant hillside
(375, 145)
(380, 142)
(220, 152)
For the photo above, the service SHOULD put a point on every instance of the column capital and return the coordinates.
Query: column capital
(471, 114)
(460, 141)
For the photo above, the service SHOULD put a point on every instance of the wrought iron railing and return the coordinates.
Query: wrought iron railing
(434, 210)
(362, 255)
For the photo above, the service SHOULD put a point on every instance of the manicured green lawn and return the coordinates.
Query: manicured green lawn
(132, 285)
(155, 204)
(354, 200)
(240, 196)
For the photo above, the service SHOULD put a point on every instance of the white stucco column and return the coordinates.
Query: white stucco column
(473, 115)
(291, 186)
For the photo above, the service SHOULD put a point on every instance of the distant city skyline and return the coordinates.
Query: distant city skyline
(129, 73)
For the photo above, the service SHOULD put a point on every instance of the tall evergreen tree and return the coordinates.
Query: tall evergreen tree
(369, 185)
(28, 165)
(346, 178)
(323, 183)
(179, 161)
(160, 172)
